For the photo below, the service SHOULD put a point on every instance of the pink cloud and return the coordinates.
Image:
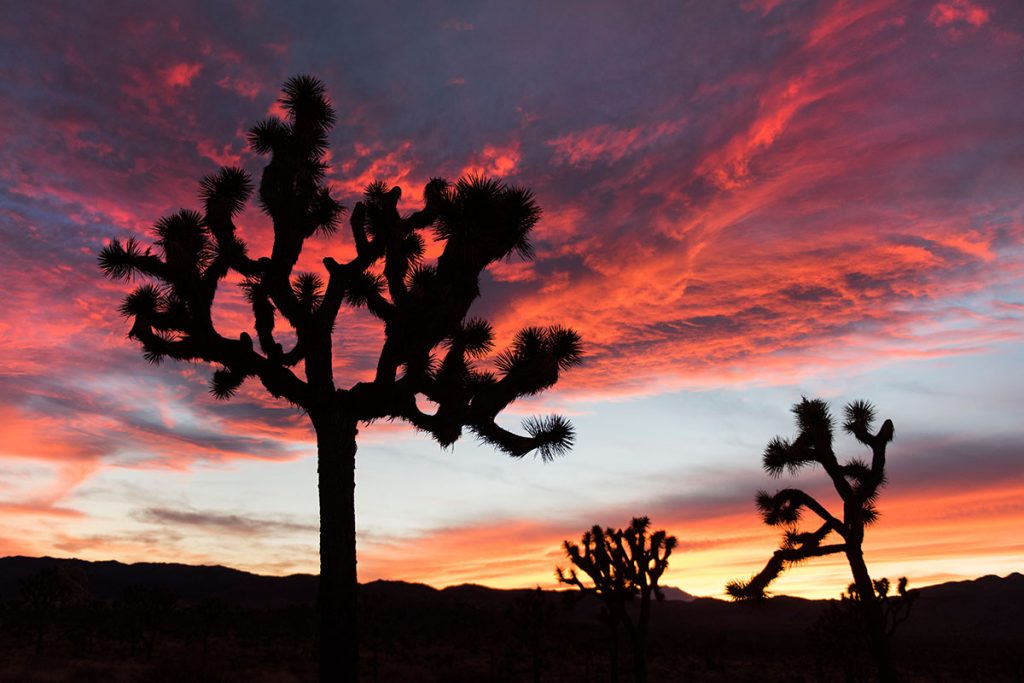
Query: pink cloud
(609, 144)
(181, 75)
(222, 155)
(952, 12)
(240, 86)
(495, 161)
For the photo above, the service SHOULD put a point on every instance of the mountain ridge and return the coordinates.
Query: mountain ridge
(107, 578)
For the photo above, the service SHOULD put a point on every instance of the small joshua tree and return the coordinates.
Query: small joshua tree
(430, 344)
(621, 564)
(857, 483)
(50, 594)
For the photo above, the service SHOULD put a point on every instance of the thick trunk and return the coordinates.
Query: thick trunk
(613, 650)
(337, 598)
(640, 639)
(639, 658)
(874, 621)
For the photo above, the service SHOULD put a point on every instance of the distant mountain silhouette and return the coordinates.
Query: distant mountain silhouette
(984, 607)
(964, 630)
(673, 594)
(108, 579)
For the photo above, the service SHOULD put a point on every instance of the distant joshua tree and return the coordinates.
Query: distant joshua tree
(621, 564)
(430, 343)
(49, 595)
(857, 483)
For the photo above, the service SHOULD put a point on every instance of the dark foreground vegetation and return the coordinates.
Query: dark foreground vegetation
(106, 621)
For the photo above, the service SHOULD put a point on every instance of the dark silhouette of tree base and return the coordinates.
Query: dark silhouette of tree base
(857, 483)
(50, 595)
(622, 564)
(531, 615)
(839, 635)
(430, 349)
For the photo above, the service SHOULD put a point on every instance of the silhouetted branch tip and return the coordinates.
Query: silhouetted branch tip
(860, 415)
(269, 135)
(477, 337)
(227, 190)
(554, 434)
(143, 302)
(122, 261)
(224, 383)
(740, 591)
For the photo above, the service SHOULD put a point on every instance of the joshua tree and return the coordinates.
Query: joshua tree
(50, 594)
(622, 563)
(857, 482)
(430, 345)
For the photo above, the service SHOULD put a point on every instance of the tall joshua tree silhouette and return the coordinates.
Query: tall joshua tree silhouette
(621, 564)
(429, 347)
(857, 482)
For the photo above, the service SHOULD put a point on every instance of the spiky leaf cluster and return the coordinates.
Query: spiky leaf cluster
(620, 563)
(488, 217)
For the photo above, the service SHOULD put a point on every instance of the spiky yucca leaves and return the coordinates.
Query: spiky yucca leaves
(488, 217)
(433, 352)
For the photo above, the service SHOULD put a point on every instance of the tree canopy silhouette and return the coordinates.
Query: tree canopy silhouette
(857, 482)
(431, 347)
(621, 564)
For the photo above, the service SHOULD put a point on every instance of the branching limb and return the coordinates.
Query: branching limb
(786, 505)
(551, 437)
(754, 589)
(128, 260)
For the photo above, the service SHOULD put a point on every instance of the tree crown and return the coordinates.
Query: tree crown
(432, 348)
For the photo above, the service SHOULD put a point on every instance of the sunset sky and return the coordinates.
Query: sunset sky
(744, 202)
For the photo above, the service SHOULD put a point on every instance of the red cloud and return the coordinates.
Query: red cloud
(605, 143)
(181, 75)
(245, 88)
(495, 161)
(953, 12)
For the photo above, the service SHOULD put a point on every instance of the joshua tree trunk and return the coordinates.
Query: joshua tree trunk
(337, 596)
(640, 639)
(613, 649)
(874, 622)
